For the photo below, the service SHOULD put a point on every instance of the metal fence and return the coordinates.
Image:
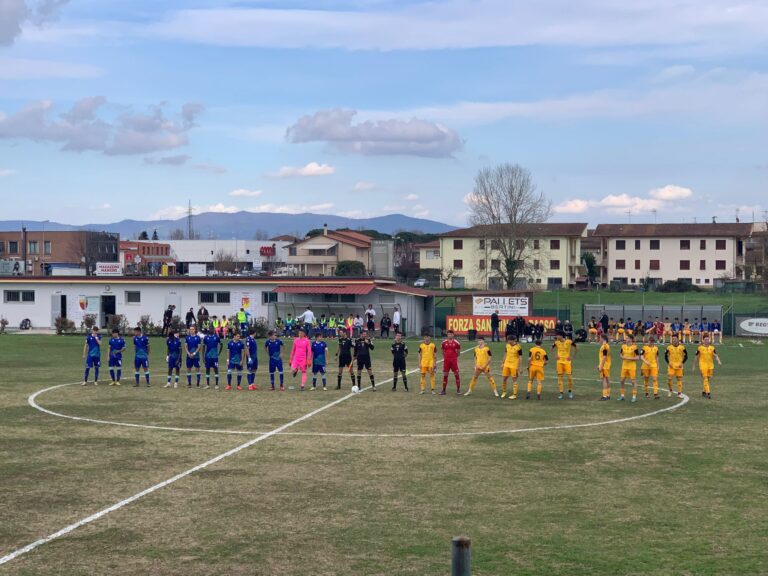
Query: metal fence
(640, 313)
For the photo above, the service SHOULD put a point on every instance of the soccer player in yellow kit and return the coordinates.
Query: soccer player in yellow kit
(604, 366)
(537, 359)
(707, 355)
(511, 367)
(676, 355)
(482, 366)
(564, 346)
(427, 352)
(649, 356)
(629, 357)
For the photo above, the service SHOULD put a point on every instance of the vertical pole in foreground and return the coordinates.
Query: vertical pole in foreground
(461, 556)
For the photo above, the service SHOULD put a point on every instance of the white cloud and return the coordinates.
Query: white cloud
(82, 128)
(291, 208)
(572, 207)
(412, 197)
(28, 69)
(671, 192)
(353, 214)
(15, 13)
(411, 137)
(658, 199)
(245, 193)
(420, 211)
(311, 169)
(362, 186)
(6, 172)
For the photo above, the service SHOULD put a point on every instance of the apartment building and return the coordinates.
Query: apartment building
(695, 253)
(321, 254)
(551, 252)
(42, 252)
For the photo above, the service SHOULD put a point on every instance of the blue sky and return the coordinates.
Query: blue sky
(641, 110)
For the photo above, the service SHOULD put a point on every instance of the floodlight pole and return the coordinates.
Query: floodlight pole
(461, 556)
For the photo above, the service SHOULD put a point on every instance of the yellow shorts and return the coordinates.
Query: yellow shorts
(649, 370)
(686, 332)
(605, 372)
(563, 367)
(486, 370)
(593, 330)
(629, 372)
(675, 372)
(536, 373)
(706, 371)
(620, 331)
(427, 368)
(508, 370)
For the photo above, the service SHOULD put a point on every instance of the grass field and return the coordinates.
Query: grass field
(682, 492)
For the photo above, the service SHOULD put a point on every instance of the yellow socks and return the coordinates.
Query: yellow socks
(570, 384)
(432, 381)
(539, 388)
(530, 385)
(472, 384)
(422, 382)
(493, 384)
(514, 388)
(560, 383)
(655, 386)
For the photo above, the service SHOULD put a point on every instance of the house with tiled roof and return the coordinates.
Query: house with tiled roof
(320, 255)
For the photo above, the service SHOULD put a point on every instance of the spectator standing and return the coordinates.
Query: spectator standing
(190, 319)
(396, 320)
(167, 319)
(385, 325)
(495, 327)
(370, 318)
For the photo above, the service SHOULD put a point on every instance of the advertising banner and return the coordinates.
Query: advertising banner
(462, 324)
(751, 326)
(109, 269)
(506, 305)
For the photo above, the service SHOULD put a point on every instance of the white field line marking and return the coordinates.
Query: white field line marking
(93, 517)
(368, 434)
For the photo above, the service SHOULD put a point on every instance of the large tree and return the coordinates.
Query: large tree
(505, 205)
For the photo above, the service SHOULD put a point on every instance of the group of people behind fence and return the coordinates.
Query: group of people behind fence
(328, 326)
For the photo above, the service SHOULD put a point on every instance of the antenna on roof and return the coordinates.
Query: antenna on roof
(654, 215)
(737, 215)
(189, 220)
(629, 215)
(714, 219)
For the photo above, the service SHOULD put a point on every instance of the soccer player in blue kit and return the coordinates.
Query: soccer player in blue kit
(235, 356)
(173, 343)
(92, 356)
(253, 361)
(274, 347)
(319, 348)
(141, 356)
(213, 348)
(116, 349)
(192, 351)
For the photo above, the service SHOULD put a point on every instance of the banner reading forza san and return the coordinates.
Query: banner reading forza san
(462, 324)
(504, 305)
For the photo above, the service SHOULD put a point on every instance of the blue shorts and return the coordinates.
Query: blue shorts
(243, 329)
(252, 365)
(115, 362)
(93, 361)
(318, 368)
(193, 362)
(141, 363)
(275, 365)
(174, 361)
(211, 363)
(235, 366)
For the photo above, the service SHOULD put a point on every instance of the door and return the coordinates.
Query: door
(58, 307)
(108, 309)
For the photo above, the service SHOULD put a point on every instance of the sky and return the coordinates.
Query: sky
(632, 111)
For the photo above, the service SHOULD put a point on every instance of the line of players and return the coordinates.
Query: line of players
(689, 332)
(310, 355)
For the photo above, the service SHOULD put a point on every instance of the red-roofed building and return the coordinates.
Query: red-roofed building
(321, 254)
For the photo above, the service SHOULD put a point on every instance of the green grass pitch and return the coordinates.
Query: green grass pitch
(682, 492)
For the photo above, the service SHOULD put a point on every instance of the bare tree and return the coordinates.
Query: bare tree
(224, 262)
(177, 234)
(446, 274)
(506, 206)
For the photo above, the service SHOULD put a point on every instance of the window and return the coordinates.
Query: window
(432, 254)
(702, 244)
(702, 264)
(637, 244)
(348, 298)
(719, 264)
(482, 264)
(13, 247)
(535, 244)
(633, 280)
(16, 296)
(654, 265)
(482, 244)
(698, 280)
(458, 244)
(132, 297)
(655, 244)
(685, 244)
(706, 281)
(637, 264)
(719, 244)
(621, 244)
(270, 297)
(554, 282)
(34, 247)
(536, 264)
(495, 264)
(47, 247)
(685, 264)
(621, 264)
(495, 244)
(292, 251)
(554, 264)
(519, 244)
(206, 297)
(538, 280)
(554, 244)
(458, 264)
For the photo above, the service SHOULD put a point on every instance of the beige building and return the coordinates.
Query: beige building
(321, 254)
(695, 253)
(429, 255)
(550, 257)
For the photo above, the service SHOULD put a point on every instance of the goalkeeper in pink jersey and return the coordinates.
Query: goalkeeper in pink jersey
(301, 356)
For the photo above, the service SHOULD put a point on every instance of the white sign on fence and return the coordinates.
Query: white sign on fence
(752, 327)
(109, 269)
(506, 305)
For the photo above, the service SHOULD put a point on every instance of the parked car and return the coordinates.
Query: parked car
(421, 283)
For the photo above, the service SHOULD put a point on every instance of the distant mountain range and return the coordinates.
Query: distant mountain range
(245, 225)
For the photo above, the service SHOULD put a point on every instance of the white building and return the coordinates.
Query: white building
(695, 253)
(43, 299)
(247, 254)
